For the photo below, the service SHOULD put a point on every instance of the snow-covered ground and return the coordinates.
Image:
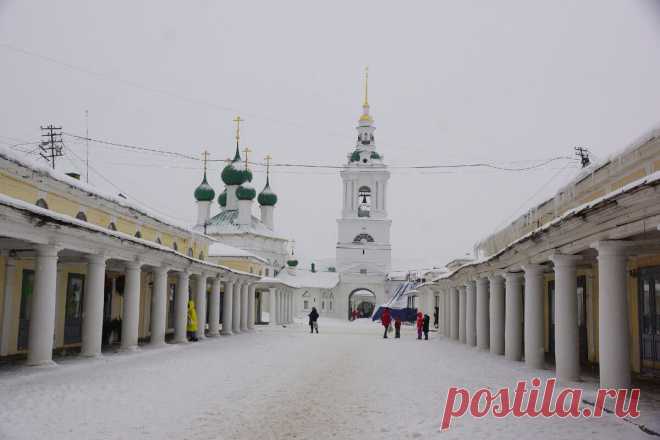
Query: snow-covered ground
(278, 383)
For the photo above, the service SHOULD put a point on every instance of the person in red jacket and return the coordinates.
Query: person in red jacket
(386, 319)
(420, 324)
(397, 327)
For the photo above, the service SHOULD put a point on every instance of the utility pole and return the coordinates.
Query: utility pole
(583, 154)
(52, 146)
(87, 146)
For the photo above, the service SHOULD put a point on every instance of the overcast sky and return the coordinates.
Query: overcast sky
(510, 82)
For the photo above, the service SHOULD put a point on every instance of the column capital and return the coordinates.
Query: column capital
(533, 268)
(134, 264)
(565, 260)
(462, 288)
(482, 280)
(513, 276)
(496, 277)
(161, 269)
(48, 250)
(614, 248)
(470, 283)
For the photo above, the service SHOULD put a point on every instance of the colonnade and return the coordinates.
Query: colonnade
(487, 310)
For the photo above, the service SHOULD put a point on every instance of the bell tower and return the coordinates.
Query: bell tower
(363, 244)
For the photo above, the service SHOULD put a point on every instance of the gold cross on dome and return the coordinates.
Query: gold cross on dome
(238, 121)
(246, 150)
(205, 157)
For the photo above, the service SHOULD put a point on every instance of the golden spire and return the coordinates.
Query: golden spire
(246, 150)
(366, 87)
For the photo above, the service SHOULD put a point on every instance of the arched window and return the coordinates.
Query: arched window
(41, 203)
(190, 252)
(364, 201)
(81, 216)
(363, 238)
(112, 226)
(175, 246)
(138, 234)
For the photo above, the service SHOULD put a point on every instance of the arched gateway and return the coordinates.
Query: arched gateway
(363, 301)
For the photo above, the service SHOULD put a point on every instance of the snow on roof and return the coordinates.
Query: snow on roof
(301, 278)
(218, 249)
(651, 179)
(43, 169)
(226, 223)
(63, 218)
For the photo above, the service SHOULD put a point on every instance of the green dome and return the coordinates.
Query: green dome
(267, 197)
(231, 175)
(355, 157)
(204, 192)
(222, 198)
(245, 192)
(375, 155)
(292, 263)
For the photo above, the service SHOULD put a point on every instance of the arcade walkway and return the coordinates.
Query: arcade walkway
(345, 383)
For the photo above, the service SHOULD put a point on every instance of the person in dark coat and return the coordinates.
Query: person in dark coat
(397, 327)
(425, 326)
(313, 320)
(386, 319)
(420, 324)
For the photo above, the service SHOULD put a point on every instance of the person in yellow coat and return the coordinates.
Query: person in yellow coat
(192, 321)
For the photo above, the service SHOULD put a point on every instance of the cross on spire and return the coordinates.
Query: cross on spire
(205, 157)
(246, 150)
(238, 121)
(268, 158)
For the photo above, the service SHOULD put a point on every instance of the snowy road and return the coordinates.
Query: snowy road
(281, 383)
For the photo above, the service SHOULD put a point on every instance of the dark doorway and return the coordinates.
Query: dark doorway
(27, 288)
(550, 355)
(649, 319)
(75, 288)
(583, 342)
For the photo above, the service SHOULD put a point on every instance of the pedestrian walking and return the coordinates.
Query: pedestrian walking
(386, 320)
(425, 327)
(313, 320)
(397, 327)
(192, 321)
(420, 324)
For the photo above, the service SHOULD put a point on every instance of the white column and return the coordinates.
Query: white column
(496, 314)
(280, 307)
(613, 331)
(567, 360)
(534, 320)
(200, 306)
(8, 305)
(447, 298)
(251, 307)
(227, 307)
(290, 306)
(471, 313)
(483, 321)
(92, 325)
(453, 295)
(214, 307)
(181, 307)
(244, 306)
(513, 317)
(441, 315)
(461, 314)
(236, 308)
(159, 306)
(131, 307)
(42, 312)
(272, 313)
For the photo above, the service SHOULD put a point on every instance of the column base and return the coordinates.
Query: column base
(130, 349)
(42, 364)
(91, 356)
(213, 334)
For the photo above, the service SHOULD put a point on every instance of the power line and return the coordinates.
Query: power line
(156, 150)
(52, 146)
